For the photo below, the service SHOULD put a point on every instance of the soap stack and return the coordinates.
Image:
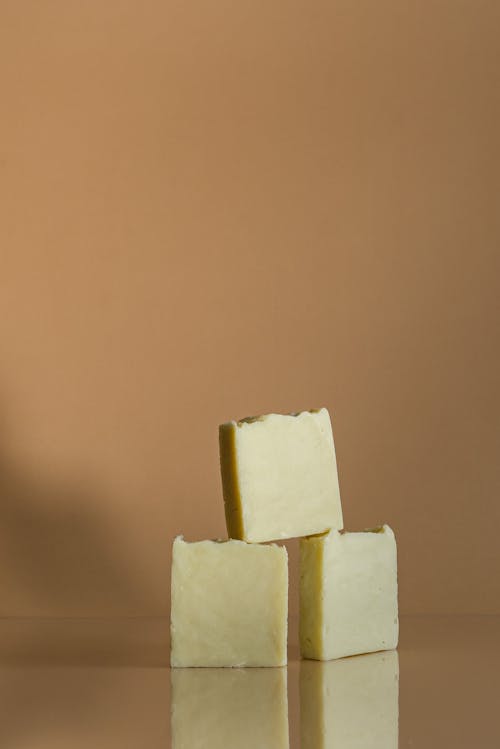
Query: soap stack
(230, 598)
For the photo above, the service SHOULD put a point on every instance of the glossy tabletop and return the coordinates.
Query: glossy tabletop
(106, 683)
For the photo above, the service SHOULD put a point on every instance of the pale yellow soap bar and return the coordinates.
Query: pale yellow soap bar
(214, 708)
(348, 593)
(351, 703)
(279, 476)
(229, 604)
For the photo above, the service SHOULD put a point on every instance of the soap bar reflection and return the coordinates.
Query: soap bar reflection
(351, 703)
(238, 708)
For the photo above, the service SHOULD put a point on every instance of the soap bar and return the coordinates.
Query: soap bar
(348, 593)
(229, 707)
(279, 476)
(350, 703)
(229, 604)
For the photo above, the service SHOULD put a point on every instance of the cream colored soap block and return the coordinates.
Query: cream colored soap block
(239, 708)
(351, 703)
(348, 593)
(279, 476)
(229, 604)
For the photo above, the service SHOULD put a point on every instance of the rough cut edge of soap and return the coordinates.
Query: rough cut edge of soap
(381, 529)
(231, 541)
(265, 417)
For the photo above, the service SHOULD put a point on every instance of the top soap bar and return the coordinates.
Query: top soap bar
(279, 476)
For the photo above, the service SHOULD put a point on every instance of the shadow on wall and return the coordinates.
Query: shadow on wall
(58, 555)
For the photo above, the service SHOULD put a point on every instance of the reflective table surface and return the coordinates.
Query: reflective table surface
(107, 683)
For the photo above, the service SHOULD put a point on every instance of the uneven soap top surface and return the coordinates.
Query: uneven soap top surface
(228, 543)
(248, 420)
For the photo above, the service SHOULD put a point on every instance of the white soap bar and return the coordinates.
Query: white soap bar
(348, 593)
(350, 703)
(238, 708)
(229, 604)
(279, 476)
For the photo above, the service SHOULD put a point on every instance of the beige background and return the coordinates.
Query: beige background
(216, 209)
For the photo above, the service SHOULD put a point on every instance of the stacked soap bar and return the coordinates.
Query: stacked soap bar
(279, 476)
(229, 598)
(229, 604)
(348, 594)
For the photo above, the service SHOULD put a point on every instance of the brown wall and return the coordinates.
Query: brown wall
(216, 209)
